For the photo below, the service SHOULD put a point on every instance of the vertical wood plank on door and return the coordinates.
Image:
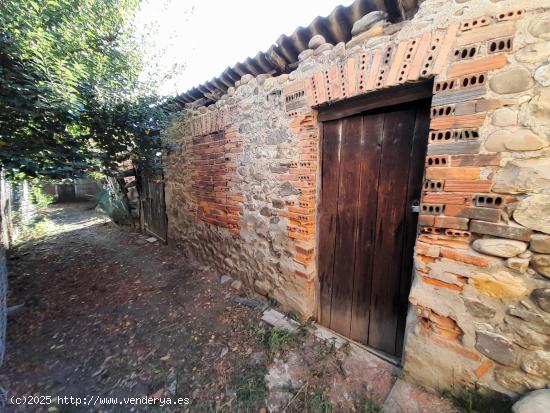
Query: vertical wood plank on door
(414, 185)
(390, 226)
(330, 165)
(342, 287)
(367, 192)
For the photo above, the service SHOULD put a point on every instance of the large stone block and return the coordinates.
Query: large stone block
(534, 212)
(500, 284)
(511, 81)
(533, 53)
(514, 140)
(524, 176)
(499, 247)
(496, 347)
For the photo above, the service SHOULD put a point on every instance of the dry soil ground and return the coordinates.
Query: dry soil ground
(107, 314)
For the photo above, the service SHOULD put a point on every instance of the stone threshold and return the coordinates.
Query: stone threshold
(401, 396)
(279, 320)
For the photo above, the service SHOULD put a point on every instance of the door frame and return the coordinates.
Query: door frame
(346, 108)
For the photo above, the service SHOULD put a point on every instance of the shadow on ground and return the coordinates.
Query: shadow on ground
(108, 314)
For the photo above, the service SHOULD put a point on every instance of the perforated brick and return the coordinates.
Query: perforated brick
(440, 160)
(418, 57)
(432, 209)
(475, 23)
(482, 34)
(433, 185)
(489, 201)
(500, 45)
(466, 52)
(510, 14)
(446, 110)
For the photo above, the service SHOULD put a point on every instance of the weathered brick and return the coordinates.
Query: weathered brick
(456, 122)
(443, 198)
(483, 214)
(351, 77)
(441, 284)
(445, 241)
(311, 95)
(500, 230)
(374, 68)
(427, 249)
(396, 63)
(451, 221)
(476, 160)
(422, 50)
(484, 64)
(445, 50)
(425, 219)
(460, 185)
(477, 260)
(462, 173)
(319, 81)
(332, 84)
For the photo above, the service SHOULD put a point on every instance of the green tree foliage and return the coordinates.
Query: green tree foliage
(71, 100)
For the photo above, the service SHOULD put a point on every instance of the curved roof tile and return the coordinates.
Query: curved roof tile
(280, 58)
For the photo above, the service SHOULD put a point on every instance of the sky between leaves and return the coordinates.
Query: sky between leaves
(192, 41)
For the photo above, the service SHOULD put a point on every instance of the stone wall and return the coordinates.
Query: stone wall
(242, 183)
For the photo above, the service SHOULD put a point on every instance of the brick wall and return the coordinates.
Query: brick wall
(242, 185)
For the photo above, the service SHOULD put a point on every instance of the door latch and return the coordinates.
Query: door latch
(415, 206)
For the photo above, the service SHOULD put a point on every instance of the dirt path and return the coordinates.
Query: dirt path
(108, 314)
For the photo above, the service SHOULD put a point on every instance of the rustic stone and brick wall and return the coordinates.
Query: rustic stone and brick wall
(242, 184)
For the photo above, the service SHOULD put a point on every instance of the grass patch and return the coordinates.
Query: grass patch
(319, 403)
(370, 406)
(281, 340)
(251, 390)
(472, 401)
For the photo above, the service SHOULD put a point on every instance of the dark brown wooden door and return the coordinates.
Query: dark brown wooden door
(372, 167)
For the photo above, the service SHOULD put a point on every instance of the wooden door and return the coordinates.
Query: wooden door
(153, 206)
(372, 166)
